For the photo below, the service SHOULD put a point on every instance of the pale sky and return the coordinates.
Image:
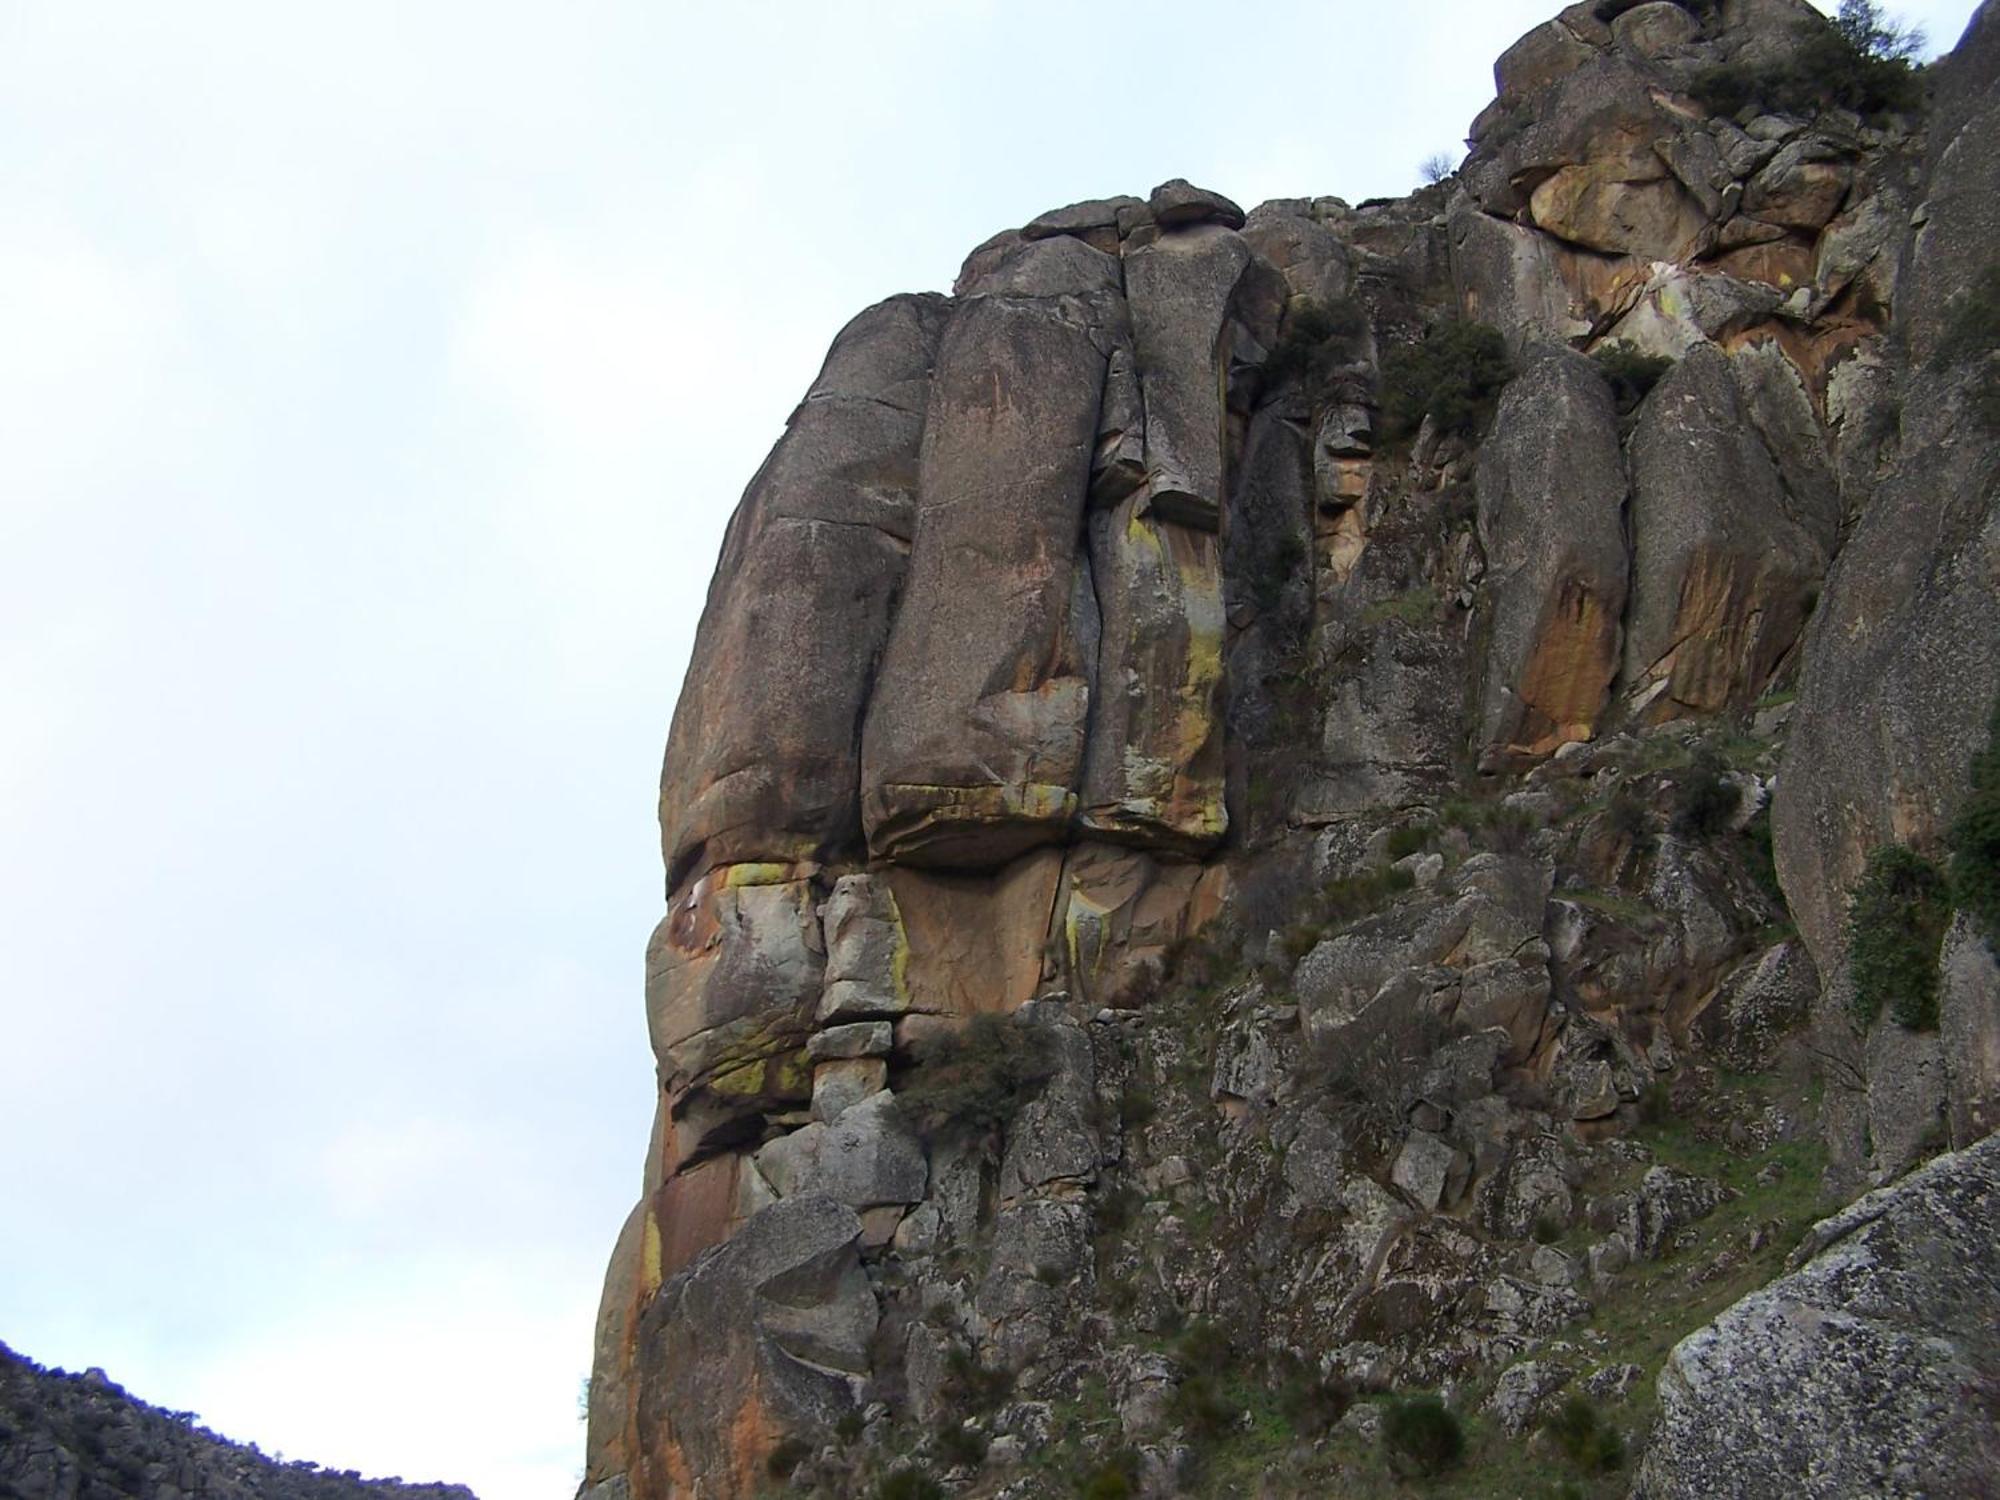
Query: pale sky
(375, 383)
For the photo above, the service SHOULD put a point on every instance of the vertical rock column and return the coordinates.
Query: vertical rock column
(974, 739)
(1155, 768)
(1551, 519)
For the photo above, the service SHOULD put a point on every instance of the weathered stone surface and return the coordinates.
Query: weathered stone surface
(1549, 52)
(1154, 770)
(1522, 1391)
(1654, 29)
(1551, 517)
(1509, 276)
(1902, 663)
(867, 952)
(976, 944)
(1178, 203)
(1119, 910)
(974, 734)
(762, 761)
(1431, 1170)
(765, 1334)
(840, 1083)
(855, 1039)
(1181, 289)
(1757, 1006)
(1721, 574)
(732, 972)
(865, 1158)
(1866, 1371)
(1969, 1027)
(1094, 221)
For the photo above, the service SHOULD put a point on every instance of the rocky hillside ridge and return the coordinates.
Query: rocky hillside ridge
(1265, 810)
(82, 1437)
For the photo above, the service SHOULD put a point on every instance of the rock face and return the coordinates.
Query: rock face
(80, 1437)
(1870, 1370)
(1123, 682)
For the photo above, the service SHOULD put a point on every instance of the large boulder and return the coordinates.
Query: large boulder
(1870, 1370)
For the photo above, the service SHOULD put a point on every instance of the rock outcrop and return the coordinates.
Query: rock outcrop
(1870, 1370)
(82, 1437)
(1229, 766)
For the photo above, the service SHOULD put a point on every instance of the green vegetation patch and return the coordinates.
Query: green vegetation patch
(974, 1083)
(1454, 377)
(1895, 926)
(1422, 1436)
(1862, 61)
(1630, 373)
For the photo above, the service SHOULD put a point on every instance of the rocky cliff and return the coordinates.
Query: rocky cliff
(1265, 812)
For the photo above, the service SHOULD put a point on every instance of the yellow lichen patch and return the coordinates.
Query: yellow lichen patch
(765, 873)
(649, 1259)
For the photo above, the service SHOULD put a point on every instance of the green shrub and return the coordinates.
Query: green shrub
(908, 1484)
(1199, 1409)
(974, 1083)
(1630, 373)
(1706, 798)
(1630, 818)
(1354, 896)
(960, 1446)
(787, 1456)
(1454, 377)
(1422, 1436)
(1585, 1437)
(1318, 337)
(1975, 840)
(1369, 1070)
(1311, 1403)
(970, 1386)
(1409, 839)
(1860, 61)
(1117, 1478)
(1895, 926)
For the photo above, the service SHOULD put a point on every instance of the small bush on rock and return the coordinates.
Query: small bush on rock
(908, 1484)
(974, 1083)
(1586, 1438)
(1630, 373)
(1370, 1069)
(1895, 926)
(1422, 1436)
(1317, 338)
(1454, 377)
(1117, 1478)
(1707, 799)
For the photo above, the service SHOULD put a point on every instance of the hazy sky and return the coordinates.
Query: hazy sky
(375, 382)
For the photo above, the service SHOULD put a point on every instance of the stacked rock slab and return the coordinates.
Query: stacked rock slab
(1067, 616)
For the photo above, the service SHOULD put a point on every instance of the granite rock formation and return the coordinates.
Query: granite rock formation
(1333, 795)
